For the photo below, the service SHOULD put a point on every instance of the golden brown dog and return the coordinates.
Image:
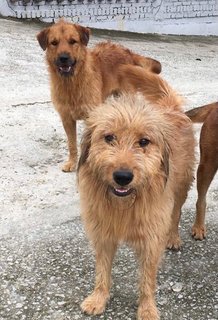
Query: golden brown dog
(82, 78)
(134, 172)
(208, 166)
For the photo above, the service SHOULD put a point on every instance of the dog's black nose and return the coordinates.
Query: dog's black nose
(123, 177)
(64, 58)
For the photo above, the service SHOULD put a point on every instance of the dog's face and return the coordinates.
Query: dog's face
(126, 146)
(65, 46)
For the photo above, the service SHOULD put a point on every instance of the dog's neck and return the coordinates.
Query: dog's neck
(79, 89)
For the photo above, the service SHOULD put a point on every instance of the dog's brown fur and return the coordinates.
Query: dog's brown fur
(95, 76)
(208, 166)
(162, 173)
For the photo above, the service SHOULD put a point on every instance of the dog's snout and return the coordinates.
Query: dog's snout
(123, 177)
(64, 58)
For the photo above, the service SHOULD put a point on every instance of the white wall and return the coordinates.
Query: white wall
(191, 17)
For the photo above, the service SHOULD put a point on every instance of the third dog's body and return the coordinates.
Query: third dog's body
(208, 166)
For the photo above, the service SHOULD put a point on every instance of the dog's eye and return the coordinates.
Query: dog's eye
(109, 138)
(72, 41)
(54, 43)
(143, 142)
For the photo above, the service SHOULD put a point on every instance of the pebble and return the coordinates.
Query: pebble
(177, 287)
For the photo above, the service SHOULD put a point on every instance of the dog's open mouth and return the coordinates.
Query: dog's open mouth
(121, 192)
(66, 70)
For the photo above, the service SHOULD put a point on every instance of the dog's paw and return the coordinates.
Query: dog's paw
(174, 242)
(95, 303)
(147, 312)
(198, 232)
(69, 166)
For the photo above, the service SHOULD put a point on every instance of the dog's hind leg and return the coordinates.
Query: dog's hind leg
(204, 178)
(96, 302)
(205, 173)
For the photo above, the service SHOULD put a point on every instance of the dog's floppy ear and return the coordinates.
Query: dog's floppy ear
(42, 38)
(165, 166)
(156, 66)
(84, 34)
(85, 146)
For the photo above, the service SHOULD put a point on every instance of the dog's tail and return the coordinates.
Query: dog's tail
(147, 63)
(199, 114)
(152, 86)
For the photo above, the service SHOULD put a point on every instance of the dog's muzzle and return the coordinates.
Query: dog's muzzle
(122, 179)
(65, 64)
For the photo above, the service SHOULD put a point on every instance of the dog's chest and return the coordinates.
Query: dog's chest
(128, 226)
(78, 108)
(77, 102)
(139, 224)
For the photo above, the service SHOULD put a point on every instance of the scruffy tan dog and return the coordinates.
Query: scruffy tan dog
(134, 172)
(83, 78)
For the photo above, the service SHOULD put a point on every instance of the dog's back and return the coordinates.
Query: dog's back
(110, 55)
(201, 113)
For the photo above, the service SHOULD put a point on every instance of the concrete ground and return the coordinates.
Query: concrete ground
(46, 264)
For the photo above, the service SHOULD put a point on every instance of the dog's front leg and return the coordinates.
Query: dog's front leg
(70, 129)
(147, 309)
(96, 302)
